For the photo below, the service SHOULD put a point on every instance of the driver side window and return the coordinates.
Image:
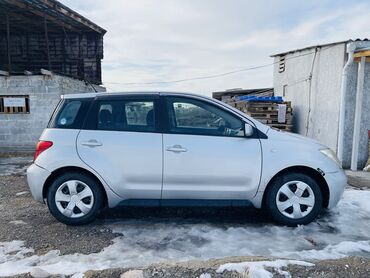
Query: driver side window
(190, 116)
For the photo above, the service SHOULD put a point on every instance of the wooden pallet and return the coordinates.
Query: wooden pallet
(267, 115)
(265, 112)
(272, 121)
(286, 127)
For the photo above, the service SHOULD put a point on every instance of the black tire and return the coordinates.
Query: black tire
(97, 198)
(273, 190)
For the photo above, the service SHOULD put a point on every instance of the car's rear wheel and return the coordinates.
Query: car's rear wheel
(294, 199)
(74, 198)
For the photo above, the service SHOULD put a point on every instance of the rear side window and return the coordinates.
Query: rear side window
(126, 115)
(70, 114)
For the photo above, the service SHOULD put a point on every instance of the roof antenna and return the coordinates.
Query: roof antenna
(92, 86)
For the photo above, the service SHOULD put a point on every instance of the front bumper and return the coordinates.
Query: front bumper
(36, 177)
(336, 181)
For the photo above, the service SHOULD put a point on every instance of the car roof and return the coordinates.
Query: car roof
(130, 93)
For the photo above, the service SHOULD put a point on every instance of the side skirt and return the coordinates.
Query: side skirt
(184, 203)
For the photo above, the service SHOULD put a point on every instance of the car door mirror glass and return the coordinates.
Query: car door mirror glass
(248, 130)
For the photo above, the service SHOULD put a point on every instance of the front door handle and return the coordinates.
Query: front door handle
(176, 149)
(92, 143)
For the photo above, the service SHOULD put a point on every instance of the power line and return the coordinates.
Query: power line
(192, 78)
(211, 76)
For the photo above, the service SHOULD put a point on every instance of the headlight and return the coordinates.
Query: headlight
(329, 153)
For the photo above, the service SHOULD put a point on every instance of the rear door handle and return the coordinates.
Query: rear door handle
(176, 149)
(92, 143)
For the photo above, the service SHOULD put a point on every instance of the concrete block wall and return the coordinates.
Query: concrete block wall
(20, 132)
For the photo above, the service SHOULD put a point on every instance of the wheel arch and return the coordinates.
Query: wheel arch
(56, 173)
(313, 173)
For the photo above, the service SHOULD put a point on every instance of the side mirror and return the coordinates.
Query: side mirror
(248, 130)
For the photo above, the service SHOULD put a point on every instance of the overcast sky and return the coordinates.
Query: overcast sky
(166, 40)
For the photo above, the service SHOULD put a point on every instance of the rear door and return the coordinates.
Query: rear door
(206, 155)
(122, 143)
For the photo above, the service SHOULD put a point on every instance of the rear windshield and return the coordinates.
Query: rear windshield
(70, 114)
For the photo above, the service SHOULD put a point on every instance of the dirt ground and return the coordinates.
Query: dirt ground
(348, 267)
(358, 179)
(343, 268)
(22, 218)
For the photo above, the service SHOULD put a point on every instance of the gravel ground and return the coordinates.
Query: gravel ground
(358, 179)
(22, 218)
(342, 268)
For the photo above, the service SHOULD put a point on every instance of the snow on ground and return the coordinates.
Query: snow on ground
(14, 165)
(21, 193)
(18, 222)
(341, 232)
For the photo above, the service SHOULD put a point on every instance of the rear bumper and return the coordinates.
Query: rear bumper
(336, 181)
(36, 177)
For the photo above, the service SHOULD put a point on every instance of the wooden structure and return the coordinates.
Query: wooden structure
(277, 115)
(45, 34)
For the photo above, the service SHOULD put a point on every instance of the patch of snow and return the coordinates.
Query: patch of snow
(336, 251)
(39, 273)
(257, 269)
(14, 165)
(13, 250)
(78, 275)
(18, 222)
(205, 275)
(341, 232)
(133, 274)
(21, 193)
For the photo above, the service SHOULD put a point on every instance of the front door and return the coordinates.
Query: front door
(124, 146)
(206, 155)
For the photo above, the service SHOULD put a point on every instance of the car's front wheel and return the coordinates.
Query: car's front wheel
(294, 199)
(74, 198)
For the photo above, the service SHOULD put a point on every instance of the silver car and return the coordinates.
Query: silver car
(174, 149)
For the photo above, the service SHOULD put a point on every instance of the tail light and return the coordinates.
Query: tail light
(42, 146)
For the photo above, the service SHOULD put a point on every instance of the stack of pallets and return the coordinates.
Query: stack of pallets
(274, 114)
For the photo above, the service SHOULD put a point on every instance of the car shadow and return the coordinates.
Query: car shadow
(222, 215)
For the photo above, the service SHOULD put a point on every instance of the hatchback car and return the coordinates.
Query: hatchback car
(175, 149)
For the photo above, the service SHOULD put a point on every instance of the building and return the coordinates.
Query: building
(329, 87)
(46, 50)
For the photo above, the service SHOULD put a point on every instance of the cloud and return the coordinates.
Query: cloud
(168, 40)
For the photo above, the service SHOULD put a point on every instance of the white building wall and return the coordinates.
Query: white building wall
(20, 132)
(321, 123)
